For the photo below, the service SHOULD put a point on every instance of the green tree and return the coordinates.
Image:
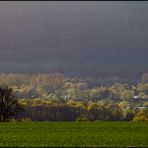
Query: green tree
(8, 103)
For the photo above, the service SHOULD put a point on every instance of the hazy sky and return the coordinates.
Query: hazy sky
(88, 31)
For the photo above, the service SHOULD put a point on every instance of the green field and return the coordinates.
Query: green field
(74, 134)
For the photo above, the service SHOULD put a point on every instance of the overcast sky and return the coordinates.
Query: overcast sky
(85, 31)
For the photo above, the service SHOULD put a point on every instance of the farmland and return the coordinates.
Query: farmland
(74, 134)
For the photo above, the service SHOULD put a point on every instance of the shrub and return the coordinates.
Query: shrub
(27, 120)
(146, 104)
(98, 121)
(13, 121)
(80, 119)
(128, 115)
(140, 118)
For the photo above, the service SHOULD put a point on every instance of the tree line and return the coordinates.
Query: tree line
(45, 110)
(54, 97)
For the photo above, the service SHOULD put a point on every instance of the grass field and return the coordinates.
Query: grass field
(74, 134)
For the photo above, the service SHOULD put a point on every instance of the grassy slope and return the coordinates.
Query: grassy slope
(74, 134)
